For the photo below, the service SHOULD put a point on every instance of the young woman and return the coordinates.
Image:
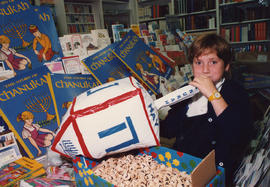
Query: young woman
(219, 116)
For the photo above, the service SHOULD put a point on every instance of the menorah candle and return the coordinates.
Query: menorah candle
(115, 117)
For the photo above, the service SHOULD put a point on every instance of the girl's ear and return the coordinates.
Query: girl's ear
(227, 67)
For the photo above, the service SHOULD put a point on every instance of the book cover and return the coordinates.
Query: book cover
(136, 28)
(3, 125)
(67, 48)
(28, 107)
(77, 45)
(72, 64)
(101, 38)
(105, 66)
(46, 16)
(13, 172)
(116, 29)
(55, 67)
(142, 61)
(9, 150)
(89, 43)
(38, 173)
(27, 41)
(73, 45)
(170, 61)
(66, 87)
(76, 41)
(43, 181)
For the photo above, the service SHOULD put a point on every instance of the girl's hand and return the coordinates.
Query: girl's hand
(53, 134)
(44, 56)
(39, 153)
(28, 60)
(204, 84)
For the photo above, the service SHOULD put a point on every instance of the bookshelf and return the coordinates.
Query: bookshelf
(196, 15)
(154, 11)
(116, 12)
(80, 16)
(246, 25)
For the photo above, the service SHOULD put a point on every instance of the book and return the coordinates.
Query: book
(43, 181)
(38, 173)
(65, 42)
(101, 38)
(77, 45)
(28, 106)
(105, 66)
(76, 41)
(164, 56)
(3, 125)
(74, 45)
(136, 28)
(13, 172)
(142, 61)
(30, 40)
(9, 150)
(89, 44)
(116, 29)
(46, 16)
(55, 67)
(66, 87)
(72, 64)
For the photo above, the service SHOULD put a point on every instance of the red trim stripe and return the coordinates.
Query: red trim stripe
(81, 140)
(149, 122)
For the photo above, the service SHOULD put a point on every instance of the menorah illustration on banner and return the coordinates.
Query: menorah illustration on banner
(40, 104)
(17, 31)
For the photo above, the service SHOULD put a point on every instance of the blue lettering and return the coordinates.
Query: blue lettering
(89, 92)
(119, 128)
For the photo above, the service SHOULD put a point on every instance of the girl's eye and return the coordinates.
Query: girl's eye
(213, 62)
(198, 63)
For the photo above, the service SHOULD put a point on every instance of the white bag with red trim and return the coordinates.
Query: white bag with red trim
(115, 117)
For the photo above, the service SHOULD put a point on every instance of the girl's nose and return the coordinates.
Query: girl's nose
(205, 68)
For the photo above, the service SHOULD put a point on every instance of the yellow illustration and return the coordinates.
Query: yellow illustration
(17, 31)
(41, 104)
(150, 78)
(157, 62)
(45, 53)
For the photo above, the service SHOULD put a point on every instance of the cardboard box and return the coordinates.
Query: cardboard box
(202, 171)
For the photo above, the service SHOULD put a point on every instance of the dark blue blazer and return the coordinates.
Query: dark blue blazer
(228, 134)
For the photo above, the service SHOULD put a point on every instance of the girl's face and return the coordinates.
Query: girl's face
(210, 65)
(5, 45)
(29, 121)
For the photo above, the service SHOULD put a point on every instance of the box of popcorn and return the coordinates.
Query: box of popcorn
(151, 167)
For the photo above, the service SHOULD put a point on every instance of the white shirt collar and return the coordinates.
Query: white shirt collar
(199, 103)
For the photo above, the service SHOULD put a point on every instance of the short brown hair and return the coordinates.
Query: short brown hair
(210, 42)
